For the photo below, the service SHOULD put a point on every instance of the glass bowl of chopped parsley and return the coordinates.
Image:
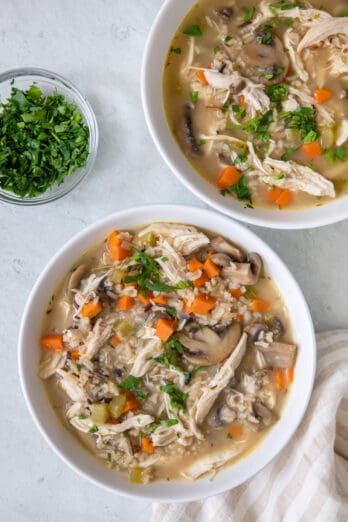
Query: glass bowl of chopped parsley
(48, 136)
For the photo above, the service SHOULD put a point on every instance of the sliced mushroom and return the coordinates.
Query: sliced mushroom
(261, 61)
(219, 244)
(207, 347)
(245, 273)
(264, 416)
(225, 13)
(188, 133)
(75, 278)
(221, 260)
(279, 355)
(278, 327)
(254, 330)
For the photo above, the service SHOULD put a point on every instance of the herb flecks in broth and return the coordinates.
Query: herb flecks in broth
(162, 343)
(272, 78)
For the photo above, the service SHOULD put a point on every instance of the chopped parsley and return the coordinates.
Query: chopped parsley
(82, 417)
(154, 427)
(274, 73)
(228, 38)
(43, 139)
(279, 176)
(259, 125)
(177, 397)
(285, 6)
(93, 429)
(109, 457)
(176, 50)
(288, 152)
(194, 96)
(264, 36)
(240, 158)
(239, 111)
(303, 119)
(336, 154)
(240, 189)
(277, 93)
(132, 384)
(229, 436)
(193, 30)
(169, 422)
(248, 13)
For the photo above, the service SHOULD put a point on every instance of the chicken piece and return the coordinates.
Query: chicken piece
(185, 239)
(163, 436)
(342, 133)
(136, 421)
(323, 29)
(211, 391)
(144, 359)
(70, 384)
(97, 337)
(210, 464)
(51, 363)
(291, 40)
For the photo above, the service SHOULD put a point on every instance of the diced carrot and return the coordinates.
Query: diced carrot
(211, 269)
(284, 199)
(115, 340)
(289, 373)
(201, 280)
(52, 342)
(91, 309)
(257, 305)
(236, 292)
(201, 77)
(164, 329)
(202, 304)
(272, 195)
(146, 445)
(239, 318)
(236, 431)
(194, 265)
(280, 379)
(119, 249)
(209, 253)
(113, 420)
(241, 100)
(290, 71)
(145, 300)
(312, 150)
(228, 176)
(131, 403)
(322, 95)
(74, 354)
(160, 299)
(125, 303)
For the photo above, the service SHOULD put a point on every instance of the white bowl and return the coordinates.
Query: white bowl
(158, 43)
(67, 446)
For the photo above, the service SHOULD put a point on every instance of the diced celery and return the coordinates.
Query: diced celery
(251, 292)
(327, 138)
(117, 276)
(293, 134)
(116, 405)
(125, 327)
(149, 238)
(100, 413)
(136, 475)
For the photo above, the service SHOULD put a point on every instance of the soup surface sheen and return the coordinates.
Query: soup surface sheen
(256, 96)
(167, 350)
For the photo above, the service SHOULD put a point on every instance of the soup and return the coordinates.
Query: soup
(168, 351)
(256, 96)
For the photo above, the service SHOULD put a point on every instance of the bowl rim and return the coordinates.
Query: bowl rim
(144, 213)
(90, 120)
(311, 217)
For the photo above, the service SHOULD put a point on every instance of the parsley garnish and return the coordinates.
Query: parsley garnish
(109, 456)
(227, 38)
(176, 50)
(337, 154)
(194, 96)
(82, 417)
(264, 36)
(241, 190)
(259, 125)
(177, 397)
(284, 6)
(193, 30)
(132, 384)
(279, 176)
(169, 422)
(239, 111)
(43, 139)
(93, 429)
(277, 93)
(248, 13)
(303, 119)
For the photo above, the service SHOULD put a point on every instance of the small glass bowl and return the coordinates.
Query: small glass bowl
(51, 83)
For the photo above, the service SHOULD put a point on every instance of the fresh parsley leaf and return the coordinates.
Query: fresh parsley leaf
(176, 344)
(82, 417)
(285, 6)
(229, 436)
(240, 158)
(277, 93)
(288, 152)
(193, 30)
(169, 422)
(336, 154)
(171, 311)
(164, 259)
(194, 96)
(198, 369)
(239, 111)
(259, 125)
(176, 50)
(228, 39)
(241, 190)
(181, 285)
(132, 384)
(303, 119)
(248, 13)
(154, 427)
(177, 397)
(93, 429)
(279, 176)
(264, 36)
(109, 456)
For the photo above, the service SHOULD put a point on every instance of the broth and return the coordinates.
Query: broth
(215, 97)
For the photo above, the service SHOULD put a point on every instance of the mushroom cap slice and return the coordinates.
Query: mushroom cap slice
(207, 348)
(75, 278)
(245, 273)
(279, 355)
(260, 59)
(219, 244)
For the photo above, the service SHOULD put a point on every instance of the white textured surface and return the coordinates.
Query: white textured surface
(98, 46)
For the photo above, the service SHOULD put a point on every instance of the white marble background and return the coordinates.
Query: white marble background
(98, 45)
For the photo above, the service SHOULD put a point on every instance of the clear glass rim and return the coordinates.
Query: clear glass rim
(90, 121)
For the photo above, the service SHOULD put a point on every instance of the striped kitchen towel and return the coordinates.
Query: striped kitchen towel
(308, 481)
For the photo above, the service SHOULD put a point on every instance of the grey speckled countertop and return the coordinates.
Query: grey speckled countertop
(98, 45)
